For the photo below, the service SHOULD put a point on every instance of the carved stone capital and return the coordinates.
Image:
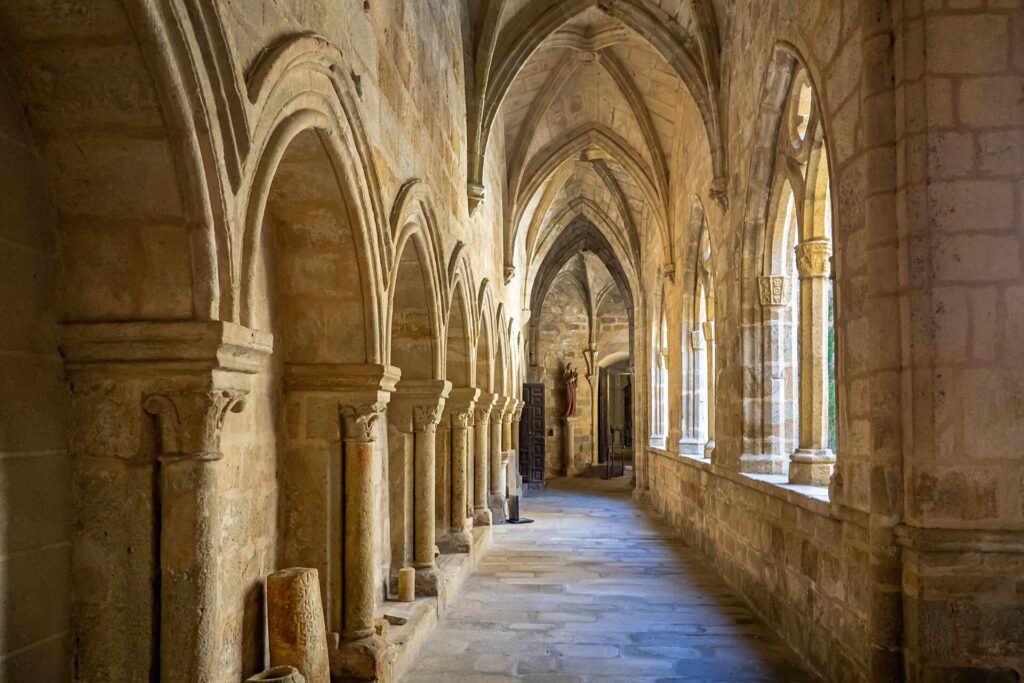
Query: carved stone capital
(189, 423)
(462, 419)
(774, 290)
(360, 420)
(484, 404)
(709, 331)
(426, 417)
(696, 340)
(500, 409)
(813, 258)
(460, 406)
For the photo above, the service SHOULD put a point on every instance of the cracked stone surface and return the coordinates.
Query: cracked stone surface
(598, 589)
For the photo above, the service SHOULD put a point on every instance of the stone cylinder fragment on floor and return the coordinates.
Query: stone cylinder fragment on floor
(295, 623)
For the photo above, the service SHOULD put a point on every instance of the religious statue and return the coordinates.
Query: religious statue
(571, 377)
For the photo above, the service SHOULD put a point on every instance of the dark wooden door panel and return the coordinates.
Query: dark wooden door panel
(531, 434)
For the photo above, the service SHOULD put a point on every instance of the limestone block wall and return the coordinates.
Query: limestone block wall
(804, 570)
(564, 336)
(35, 483)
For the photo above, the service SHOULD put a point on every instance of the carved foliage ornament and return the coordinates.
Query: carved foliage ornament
(462, 419)
(361, 420)
(481, 414)
(189, 423)
(775, 290)
(812, 258)
(425, 418)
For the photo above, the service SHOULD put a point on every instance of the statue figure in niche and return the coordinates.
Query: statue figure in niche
(571, 378)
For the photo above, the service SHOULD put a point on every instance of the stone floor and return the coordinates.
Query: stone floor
(598, 589)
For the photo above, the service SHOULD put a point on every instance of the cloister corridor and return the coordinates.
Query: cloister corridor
(598, 589)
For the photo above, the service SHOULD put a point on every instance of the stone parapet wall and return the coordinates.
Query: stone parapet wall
(802, 568)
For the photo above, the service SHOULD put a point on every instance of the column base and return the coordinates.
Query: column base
(691, 447)
(811, 467)
(481, 517)
(359, 660)
(709, 449)
(456, 542)
(497, 508)
(427, 579)
(754, 463)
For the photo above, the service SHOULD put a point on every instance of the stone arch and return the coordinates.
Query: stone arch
(459, 368)
(501, 380)
(485, 344)
(297, 86)
(787, 198)
(415, 311)
(414, 314)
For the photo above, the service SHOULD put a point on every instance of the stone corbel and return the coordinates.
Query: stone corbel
(719, 192)
(774, 290)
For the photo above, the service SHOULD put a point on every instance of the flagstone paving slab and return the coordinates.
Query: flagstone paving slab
(596, 590)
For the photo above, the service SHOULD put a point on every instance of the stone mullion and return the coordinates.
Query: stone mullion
(812, 462)
(777, 406)
(690, 442)
(709, 337)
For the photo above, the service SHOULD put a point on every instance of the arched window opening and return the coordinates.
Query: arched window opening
(798, 298)
(659, 384)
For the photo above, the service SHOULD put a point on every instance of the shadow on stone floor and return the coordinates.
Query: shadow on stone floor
(599, 589)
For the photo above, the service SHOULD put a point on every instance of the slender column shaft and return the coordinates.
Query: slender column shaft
(188, 590)
(481, 453)
(709, 336)
(495, 450)
(424, 539)
(460, 408)
(359, 552)
(497, 469)
(813, 460)
(460, 466)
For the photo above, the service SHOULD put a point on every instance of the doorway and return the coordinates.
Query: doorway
(615, 416)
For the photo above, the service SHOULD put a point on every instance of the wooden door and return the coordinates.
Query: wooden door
(531, 435)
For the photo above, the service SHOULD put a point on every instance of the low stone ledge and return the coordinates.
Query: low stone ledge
(775, 486)
(405, 641)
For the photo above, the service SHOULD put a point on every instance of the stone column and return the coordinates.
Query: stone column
(460, 410)
(482, 419)
(690, 442)
(709, 337)
(417, 408)
(148, 404)
(189, 427)
(496, 498)
(777, 405)
(517, 417)
(361, 651)
(813, 461)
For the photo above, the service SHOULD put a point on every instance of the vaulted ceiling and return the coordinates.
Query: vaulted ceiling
(588, 96)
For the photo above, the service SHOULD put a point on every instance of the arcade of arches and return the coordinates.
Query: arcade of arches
(275, 275)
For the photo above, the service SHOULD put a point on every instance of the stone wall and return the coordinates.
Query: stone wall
(564, 336)
(801, 568)
(35, 492)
